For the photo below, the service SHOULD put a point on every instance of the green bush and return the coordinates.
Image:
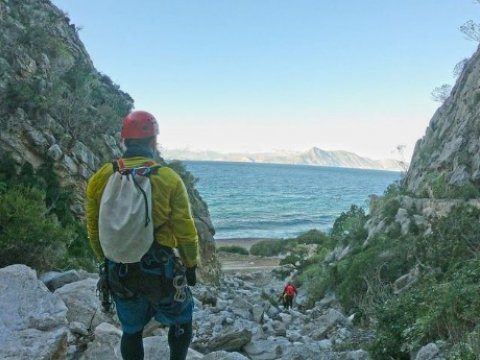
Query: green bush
(446, 309)
(454, 238)
(292, 259)
(233, 249)
(28, 233)
(270, 247)
(349, 227)
(313, 236)
(444, 303)
(20, 182)
(318, 280)
(390, 209)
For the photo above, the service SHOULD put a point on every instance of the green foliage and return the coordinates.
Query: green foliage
(233, 249)
(444, 303)
(349, 227)
(62, 236)
(23, 93)
(434, 309)
(439, 188)
(390, 209)
(318, 280)
(270, 247)
(292, 259)
(313, 236)
(468, 191)
(388, 204)
(454, 238)
(365, 278)
(394, 190)
(28, 233)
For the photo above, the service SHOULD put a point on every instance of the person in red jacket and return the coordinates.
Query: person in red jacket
(288, 294)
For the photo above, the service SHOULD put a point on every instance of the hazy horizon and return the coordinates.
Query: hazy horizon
(196, 150)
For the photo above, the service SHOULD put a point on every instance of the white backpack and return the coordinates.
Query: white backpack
(125, 220)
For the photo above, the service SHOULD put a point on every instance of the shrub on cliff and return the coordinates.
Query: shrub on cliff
(443, 304)
(349, 227)
(29, 234)
(47, 218)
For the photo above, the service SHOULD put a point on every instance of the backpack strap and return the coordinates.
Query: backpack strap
(115, 166)
(151, 166)
(121, 164)
(118, 165)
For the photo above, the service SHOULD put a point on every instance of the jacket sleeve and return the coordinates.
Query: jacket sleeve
(183, 226)
(92, 212)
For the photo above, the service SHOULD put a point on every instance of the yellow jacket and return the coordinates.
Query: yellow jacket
(172, 218)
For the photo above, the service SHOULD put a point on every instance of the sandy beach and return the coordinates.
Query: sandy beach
(244, 263)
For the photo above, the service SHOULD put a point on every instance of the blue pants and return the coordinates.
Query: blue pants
(136, 312)
(153, 288)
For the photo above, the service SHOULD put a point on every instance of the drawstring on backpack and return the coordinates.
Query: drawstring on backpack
(147, 217)
(119, 166)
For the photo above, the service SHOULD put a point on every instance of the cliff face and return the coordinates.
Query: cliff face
(449, 153)
(53, 101)
(55, 104)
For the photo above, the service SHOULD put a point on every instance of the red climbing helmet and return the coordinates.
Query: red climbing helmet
(139, 125)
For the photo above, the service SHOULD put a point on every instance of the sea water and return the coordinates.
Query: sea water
(248, 200)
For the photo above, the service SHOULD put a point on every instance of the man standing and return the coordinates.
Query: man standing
(146, 277)
(288, 294)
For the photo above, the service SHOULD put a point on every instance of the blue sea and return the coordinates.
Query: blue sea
(248, 200)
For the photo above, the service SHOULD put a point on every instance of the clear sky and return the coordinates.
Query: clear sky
(258, 75)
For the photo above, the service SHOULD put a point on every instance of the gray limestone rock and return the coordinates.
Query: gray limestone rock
(269, 349)
(403, 219)
(84, 155)
(331, 320)
(33, 319)
(429, 352)
(82, 303)
(55, 152)
(106, 345)
(54, 280)
(231, 341)
(224, 355)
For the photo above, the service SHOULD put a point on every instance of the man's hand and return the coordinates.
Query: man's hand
(191, 275)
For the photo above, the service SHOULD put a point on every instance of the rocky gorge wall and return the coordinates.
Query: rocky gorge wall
(449, 153)
(55, 105)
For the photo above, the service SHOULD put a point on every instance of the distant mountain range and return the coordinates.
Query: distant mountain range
(313, 156)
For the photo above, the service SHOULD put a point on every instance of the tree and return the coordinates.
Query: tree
(471, 30)
(441, 93)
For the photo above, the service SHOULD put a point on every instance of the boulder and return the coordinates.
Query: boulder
(269, 349)
(34, 322)
(224, 355)
(54, 280)
(231, 341)
(106, 345)
(156, 347)
(82, 303)
(429, 352)
(328, 322)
